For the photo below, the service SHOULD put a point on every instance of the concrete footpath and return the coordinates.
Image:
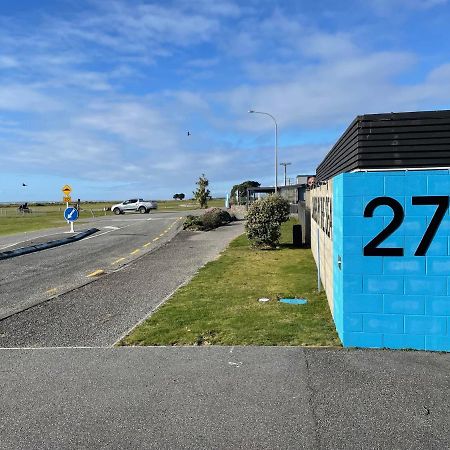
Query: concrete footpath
(201, 397)
(223, 398)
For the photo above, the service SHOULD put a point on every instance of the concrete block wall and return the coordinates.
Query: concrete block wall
(391, 301)
(322, 245)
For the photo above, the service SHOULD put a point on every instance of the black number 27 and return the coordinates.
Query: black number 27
(372, 249)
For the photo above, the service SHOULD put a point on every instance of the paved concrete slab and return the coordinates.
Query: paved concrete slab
(223, 397)
(380, 399)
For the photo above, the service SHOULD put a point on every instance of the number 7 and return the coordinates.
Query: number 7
(442, 204)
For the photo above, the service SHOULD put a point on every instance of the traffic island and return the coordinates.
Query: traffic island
(39, 244)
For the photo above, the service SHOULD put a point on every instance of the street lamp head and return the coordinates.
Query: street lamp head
(276, 144)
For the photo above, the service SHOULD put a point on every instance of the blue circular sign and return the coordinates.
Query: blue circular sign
(71, 214)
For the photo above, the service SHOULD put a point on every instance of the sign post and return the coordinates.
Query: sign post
(71, 214)
(66, 190)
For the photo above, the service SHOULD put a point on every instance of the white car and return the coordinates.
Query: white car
(134, 205)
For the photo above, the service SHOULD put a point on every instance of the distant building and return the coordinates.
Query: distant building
(305, 179)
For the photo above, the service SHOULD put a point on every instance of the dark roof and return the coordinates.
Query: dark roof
(418, 139)
(261, 189)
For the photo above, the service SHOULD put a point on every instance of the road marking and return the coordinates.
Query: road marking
(52, 291)
(147, 244)
(155, 239)
(161, 235)
(117, 261)
(11, 245)
(135, 251)
(96, 273)
(105, 232)
(30, 237)
(111, 227)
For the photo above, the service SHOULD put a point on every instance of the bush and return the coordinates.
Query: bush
(192, 223)
(212, 218)
(264, 220)
(224, 216)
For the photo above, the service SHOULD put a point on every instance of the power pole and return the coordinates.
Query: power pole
(285, 164)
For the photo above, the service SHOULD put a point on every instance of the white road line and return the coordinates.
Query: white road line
(11, 245)
(105, 232)
(31, 238)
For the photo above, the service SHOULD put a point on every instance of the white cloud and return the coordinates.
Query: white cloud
(131, 121)
(325, 94)
(8, 62)
(26, 98)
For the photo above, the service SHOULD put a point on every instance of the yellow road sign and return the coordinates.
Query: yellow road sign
(67, 199)
(66, 190)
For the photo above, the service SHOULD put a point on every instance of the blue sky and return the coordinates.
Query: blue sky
(100, 94)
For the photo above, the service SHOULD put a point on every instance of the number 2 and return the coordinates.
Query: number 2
(372, 249)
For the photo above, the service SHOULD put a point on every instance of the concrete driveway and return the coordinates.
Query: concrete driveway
(224, 397)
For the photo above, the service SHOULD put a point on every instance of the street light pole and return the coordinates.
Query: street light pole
(276, 144)
(285, 164)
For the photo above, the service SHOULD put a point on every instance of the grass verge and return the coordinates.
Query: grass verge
(220, 305)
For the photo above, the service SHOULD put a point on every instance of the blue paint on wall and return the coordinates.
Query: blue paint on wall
(391, 301)
(339, 285)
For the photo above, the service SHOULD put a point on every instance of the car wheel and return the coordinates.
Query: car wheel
(142, 209)
(116, 211)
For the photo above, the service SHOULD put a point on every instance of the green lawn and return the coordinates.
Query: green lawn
(220, 305)
(51, 215)
(186, 205)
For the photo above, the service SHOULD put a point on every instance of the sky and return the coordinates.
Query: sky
(100, 94)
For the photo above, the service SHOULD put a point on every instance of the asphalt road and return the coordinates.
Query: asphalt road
(224, 398)
(98, 313)
(32, 279)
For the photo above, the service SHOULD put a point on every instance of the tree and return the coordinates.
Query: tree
(202, 193)
(242, 189)
(175, 196)
(181, 196)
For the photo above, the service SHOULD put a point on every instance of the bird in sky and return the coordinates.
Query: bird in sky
(188, 133)
(23, 184)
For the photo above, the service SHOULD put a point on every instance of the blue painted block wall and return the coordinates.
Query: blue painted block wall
(391, 301)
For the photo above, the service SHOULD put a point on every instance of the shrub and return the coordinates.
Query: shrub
(225, 216)
(264, 220)
(192, 223)
(212, 219)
